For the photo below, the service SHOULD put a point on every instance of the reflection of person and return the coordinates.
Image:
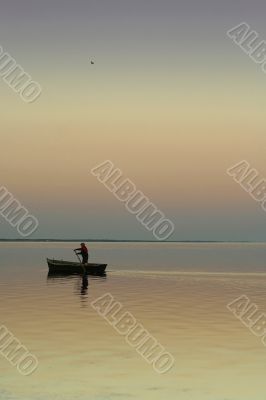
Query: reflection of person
(84, 253)
(85, 284)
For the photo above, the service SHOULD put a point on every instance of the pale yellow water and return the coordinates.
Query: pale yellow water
(179, 292)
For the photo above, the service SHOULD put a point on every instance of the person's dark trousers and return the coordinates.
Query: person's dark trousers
(85, 258)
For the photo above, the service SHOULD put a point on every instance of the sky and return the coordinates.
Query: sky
(171, 100)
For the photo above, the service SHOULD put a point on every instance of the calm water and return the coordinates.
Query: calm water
(179, 292)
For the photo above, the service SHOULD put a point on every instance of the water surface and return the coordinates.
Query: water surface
(178, 291)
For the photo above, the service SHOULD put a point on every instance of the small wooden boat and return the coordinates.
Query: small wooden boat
(70, 267)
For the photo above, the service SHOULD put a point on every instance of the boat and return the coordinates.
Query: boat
(70, 267)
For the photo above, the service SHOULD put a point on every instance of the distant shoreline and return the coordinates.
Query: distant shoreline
(125, 241)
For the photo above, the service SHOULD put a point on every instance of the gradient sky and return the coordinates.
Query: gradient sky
(171, 101)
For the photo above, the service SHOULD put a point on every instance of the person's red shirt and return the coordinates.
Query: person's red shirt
(84, 249)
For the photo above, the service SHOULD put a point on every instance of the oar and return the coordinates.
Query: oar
(84, 270)
(77, 256)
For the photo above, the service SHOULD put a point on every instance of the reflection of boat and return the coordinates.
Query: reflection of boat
(70, 267)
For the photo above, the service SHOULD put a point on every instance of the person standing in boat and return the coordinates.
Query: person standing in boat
(84, 253)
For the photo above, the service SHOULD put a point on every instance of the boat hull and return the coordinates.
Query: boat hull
(67, 267)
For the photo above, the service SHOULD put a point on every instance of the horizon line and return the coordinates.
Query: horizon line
(128, 240)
